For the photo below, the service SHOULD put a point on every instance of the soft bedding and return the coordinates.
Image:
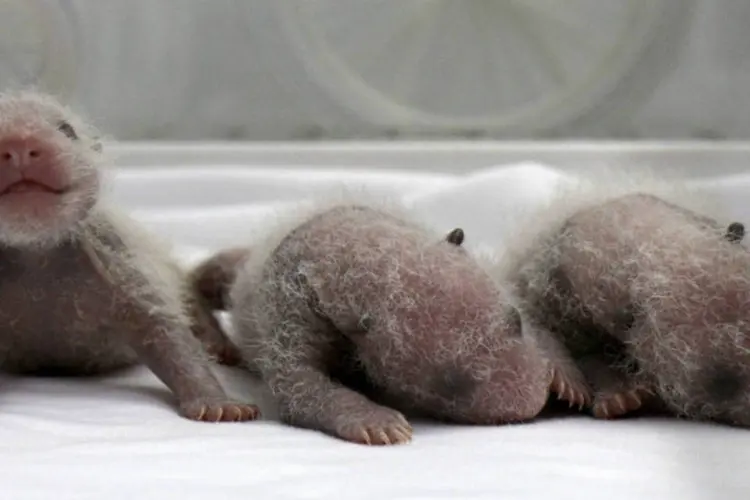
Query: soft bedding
(120, 437)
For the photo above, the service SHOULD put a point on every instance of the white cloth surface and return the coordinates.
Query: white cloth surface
(120, 437)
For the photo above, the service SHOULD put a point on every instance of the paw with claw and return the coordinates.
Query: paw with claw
(607, 406)
(220, 411)
(380, 426)
(573, 391)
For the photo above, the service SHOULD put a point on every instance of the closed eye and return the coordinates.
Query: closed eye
(67, 129)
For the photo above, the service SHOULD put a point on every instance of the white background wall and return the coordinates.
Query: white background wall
(188, 69)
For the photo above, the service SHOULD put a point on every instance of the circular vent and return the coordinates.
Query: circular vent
(36, 45)
(505, 66)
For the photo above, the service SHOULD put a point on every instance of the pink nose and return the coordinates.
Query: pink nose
(19, 152)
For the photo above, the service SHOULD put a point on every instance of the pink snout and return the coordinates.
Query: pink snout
(20, 152)
(30, 161)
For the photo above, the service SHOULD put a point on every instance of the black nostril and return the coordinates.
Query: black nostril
(7, 156)
(34, 153)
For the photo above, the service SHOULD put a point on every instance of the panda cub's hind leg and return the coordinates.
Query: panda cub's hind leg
(299, 376)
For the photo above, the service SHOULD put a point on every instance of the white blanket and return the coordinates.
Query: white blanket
(121, 438)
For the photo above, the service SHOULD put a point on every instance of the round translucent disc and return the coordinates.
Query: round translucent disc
(496, 64)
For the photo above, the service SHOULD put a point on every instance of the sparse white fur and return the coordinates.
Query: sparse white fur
(267, 239)
(583, 192)
(29, 113)
(106, 291)
(346, 268)
(143, 254)
(690, 286)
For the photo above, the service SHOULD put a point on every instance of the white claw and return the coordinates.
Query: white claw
(604, 411)
(637, 398)
(620, 399)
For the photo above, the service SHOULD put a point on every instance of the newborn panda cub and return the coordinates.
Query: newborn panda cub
(651, 301)
(82, 289)
(353, 315)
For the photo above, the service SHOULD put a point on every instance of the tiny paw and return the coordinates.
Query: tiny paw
(575, 393)
(382, 426)
(220, 411)
(615, 405)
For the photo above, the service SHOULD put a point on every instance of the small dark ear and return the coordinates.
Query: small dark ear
(455, 237)
(735, 232)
